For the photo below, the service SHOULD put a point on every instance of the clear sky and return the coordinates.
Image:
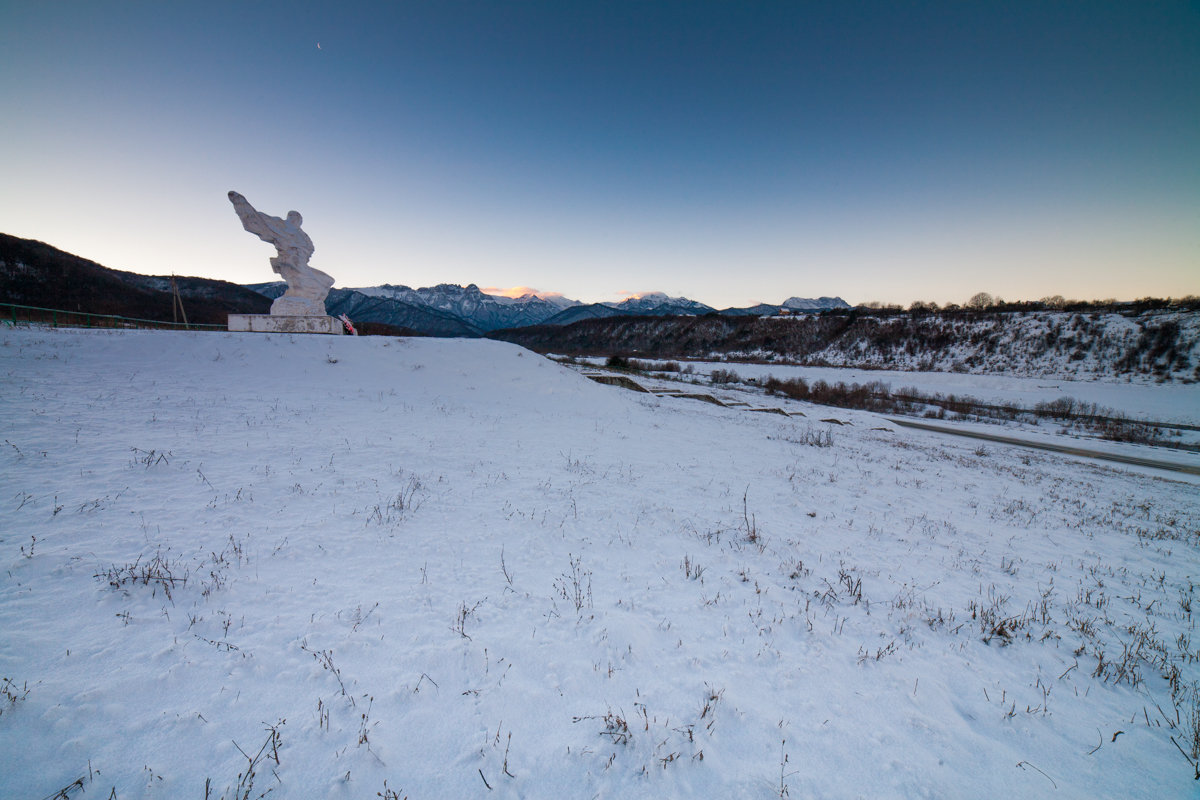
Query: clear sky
(732, 152)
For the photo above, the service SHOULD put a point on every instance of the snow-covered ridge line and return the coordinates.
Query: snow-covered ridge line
(479, 311)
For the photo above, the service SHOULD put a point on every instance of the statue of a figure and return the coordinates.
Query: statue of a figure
(307, 286)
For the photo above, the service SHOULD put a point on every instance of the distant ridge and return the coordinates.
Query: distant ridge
(481, 311)
(820, 304)
(37, 274)
(579, 313)
(33, 273)
(452, 310)
(396, 313)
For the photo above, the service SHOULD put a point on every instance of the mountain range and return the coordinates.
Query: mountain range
(452, 310)
(33, 273)
(1151, 339)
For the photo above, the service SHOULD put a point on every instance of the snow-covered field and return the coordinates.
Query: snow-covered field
(452, 568)
(1144, 399)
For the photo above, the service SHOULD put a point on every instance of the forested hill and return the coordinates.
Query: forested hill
(1149, 343)
(33, 273)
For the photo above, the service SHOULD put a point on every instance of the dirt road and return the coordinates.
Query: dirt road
(1054, 448)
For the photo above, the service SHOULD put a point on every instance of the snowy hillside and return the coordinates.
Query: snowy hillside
(1154, 345)
(374, 567)
(1162, 344)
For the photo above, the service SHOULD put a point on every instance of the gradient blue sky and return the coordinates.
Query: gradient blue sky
(730, 152)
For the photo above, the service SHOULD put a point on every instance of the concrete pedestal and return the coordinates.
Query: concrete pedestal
(275, 323)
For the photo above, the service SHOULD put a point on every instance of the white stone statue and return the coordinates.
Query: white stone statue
(307, 286)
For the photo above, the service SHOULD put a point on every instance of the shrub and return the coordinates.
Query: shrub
(617, 362)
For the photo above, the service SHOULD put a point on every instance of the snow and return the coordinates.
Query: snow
(563, 589)
(1165, 402)
(1106, 346)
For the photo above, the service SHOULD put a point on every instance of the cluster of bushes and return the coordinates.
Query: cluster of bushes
(878, 397)
(1068, 408)
(637, 365)
(874, 396)
(1160, 347)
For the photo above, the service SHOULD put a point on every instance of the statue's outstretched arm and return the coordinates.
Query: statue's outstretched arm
(252, 219)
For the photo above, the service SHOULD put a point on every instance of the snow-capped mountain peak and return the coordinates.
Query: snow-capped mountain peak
(660, 302)
(473, 305)
(493, 309)
(819, 304)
